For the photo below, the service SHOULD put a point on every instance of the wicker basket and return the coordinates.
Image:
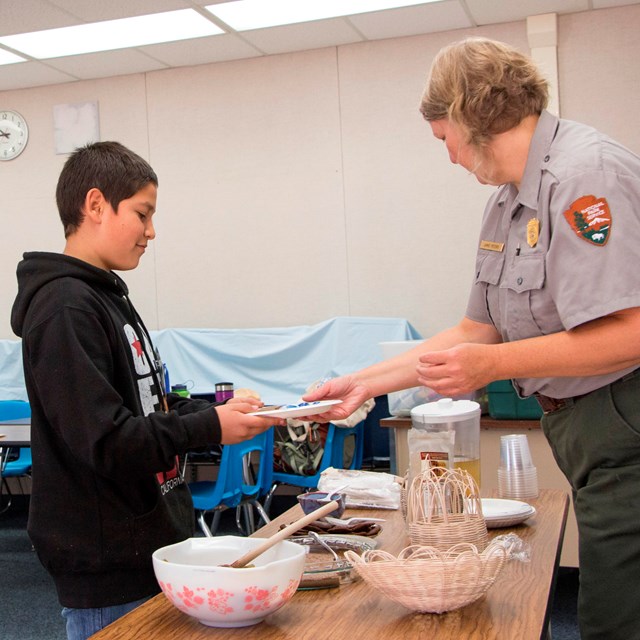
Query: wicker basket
(403, 496)
(428, 580)
(444, 509)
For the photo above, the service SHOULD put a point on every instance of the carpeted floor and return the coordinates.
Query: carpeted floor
(29, 609)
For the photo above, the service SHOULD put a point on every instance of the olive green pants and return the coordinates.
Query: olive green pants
(596, 443)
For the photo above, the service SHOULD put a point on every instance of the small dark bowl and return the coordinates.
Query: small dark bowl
(316, 499)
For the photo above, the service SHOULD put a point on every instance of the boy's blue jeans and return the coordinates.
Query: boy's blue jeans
(83, 623)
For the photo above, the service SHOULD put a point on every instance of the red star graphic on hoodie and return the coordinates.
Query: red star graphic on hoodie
(137, 345)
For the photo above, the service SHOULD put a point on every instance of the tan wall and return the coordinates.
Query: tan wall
(298, 187)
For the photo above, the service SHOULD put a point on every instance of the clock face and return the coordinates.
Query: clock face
(14, 134)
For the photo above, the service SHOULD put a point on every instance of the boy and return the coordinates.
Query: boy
(107, 490)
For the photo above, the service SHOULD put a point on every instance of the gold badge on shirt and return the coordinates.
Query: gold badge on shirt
(533, 232)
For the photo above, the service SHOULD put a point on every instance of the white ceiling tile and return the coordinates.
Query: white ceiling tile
(106, 63)
(605, 4)
(303, 36)
(201, 50)
(409, 21)
(30, 74)
(20, 16)
(491, 12)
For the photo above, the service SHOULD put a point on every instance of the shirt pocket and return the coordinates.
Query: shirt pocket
(489, 267)
(527, 307)
(527, 274)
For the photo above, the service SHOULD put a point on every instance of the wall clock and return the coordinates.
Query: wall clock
(14, 134)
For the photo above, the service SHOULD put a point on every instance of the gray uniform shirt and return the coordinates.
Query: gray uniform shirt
(564, 249)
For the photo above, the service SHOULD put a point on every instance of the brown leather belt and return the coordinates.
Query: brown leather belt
(553, 404)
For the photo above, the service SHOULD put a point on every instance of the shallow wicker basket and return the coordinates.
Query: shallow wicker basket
(444, 509)
(428, 580)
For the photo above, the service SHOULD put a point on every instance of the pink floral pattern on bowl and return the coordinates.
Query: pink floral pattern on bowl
(222, 602)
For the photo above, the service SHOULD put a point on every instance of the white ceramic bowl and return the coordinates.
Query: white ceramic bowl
(190, 575)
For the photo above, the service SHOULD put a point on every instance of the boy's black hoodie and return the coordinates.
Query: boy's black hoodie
(107, 490)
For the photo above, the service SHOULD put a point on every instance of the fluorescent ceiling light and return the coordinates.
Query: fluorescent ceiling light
(113, 34)
(243, 15)
(6, 57)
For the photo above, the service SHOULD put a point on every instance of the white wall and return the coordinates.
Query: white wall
(299, 187)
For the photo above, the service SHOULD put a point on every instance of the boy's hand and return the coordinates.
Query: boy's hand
(237, 426)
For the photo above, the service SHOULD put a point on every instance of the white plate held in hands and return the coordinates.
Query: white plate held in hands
(295, 410)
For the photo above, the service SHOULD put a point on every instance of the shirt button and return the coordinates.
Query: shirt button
(519, 280)
(547, 158)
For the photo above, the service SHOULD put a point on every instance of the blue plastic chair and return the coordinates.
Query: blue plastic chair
(216, 495)
(333, 456)
(338, 446)
(17, 461)
(244, 472)
(256, 474)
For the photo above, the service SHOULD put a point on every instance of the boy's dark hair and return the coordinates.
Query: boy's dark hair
(118, 172)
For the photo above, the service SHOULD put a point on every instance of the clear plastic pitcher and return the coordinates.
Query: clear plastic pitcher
(445, 433)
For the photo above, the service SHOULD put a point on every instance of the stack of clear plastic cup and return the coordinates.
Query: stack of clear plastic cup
(517, 477)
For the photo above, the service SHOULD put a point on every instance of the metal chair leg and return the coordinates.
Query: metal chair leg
(4, 483)
(261, 510)
(209, 531)
(239, 519)
(203, 525)
(215, 523)
(245, 509)
(267, 500)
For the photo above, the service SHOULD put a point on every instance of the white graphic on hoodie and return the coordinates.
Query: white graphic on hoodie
(149, 397)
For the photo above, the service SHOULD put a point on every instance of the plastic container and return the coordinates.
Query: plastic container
(224, 391)
(445, 433)
(316, 499)
(181, 390)
(504, 403)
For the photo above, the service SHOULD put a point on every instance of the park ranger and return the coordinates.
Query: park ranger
(555, 305)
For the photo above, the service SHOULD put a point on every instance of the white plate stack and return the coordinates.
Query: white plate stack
(505, 513)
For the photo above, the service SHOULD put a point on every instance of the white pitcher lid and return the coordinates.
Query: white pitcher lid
(445, 410)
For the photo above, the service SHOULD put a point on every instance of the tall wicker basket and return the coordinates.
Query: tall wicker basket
(444, 509)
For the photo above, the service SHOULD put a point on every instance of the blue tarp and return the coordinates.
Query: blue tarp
(278, 363)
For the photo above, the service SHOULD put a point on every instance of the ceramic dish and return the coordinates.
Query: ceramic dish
(321, 571)
(295, 410)
(195, 578)
(316, 499)
(499, 512)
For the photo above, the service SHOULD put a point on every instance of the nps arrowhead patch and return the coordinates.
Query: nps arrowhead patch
(590, 218)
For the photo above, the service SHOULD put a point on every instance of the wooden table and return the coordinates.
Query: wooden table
(14, 433)
(516, 607)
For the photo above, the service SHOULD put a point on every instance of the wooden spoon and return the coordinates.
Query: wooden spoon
(283, 533)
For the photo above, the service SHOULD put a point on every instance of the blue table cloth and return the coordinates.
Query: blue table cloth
(279, 363)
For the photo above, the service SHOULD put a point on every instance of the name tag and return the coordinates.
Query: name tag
(491, 246)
